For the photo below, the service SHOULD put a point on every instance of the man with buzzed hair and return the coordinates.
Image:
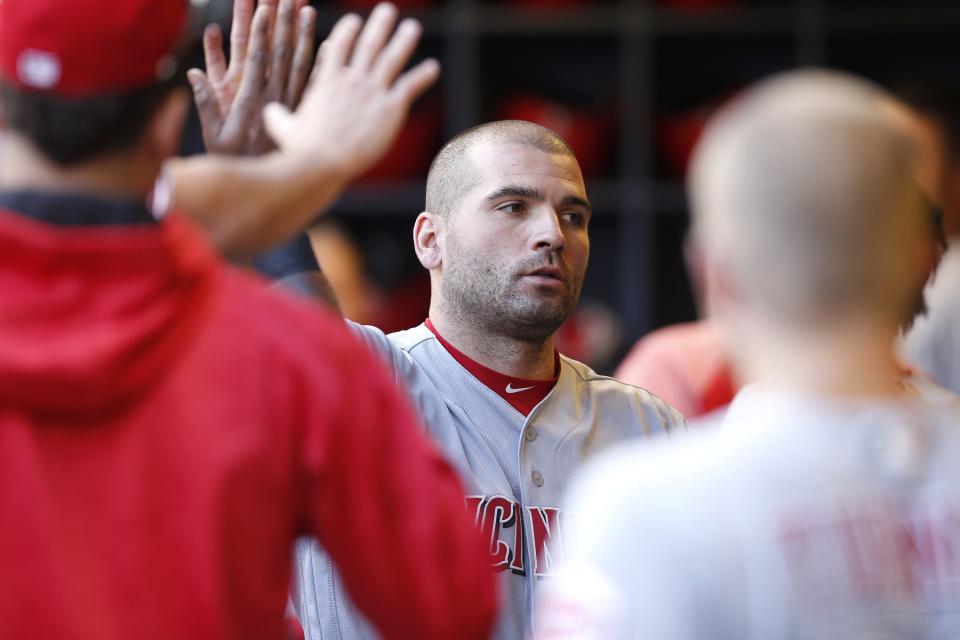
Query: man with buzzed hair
(825, 502)
(505, 238)
(469, 285)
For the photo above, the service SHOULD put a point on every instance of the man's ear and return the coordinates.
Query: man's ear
(161, 139)
(725, 294)
(428, 233)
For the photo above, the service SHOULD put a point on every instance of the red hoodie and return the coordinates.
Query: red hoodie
(168, 427)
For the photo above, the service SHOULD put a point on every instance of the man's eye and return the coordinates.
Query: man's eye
(512, 207)
(575, 217)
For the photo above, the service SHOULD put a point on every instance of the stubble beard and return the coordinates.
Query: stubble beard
(486, 296)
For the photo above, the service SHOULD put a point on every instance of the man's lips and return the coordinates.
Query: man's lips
(546, 278)
(547, 272)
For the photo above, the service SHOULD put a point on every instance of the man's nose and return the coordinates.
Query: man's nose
(547, 232)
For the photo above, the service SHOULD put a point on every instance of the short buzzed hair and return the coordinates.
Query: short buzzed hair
(804, 190)
(450, 174)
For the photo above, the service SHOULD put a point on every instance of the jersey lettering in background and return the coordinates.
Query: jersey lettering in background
(876, 552)
(504, 522)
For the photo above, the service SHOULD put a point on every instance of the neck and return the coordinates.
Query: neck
(530, 360)
(110, 175)
(853, 361)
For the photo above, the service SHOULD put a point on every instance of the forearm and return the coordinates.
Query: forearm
(250, 205)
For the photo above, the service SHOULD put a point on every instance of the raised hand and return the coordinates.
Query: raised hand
(358, 96)
(270, 61)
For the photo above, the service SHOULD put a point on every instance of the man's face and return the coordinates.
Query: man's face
(516, 245)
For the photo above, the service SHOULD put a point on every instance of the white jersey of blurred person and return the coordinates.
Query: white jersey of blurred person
(827, 502)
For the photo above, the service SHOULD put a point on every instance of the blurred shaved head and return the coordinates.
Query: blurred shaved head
(452, 173)
(804, 193)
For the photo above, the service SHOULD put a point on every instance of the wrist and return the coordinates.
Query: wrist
(313, 171)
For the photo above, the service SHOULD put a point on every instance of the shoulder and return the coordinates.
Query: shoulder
(650, 465)
(947, 278)
(607, 390)
(290, 327)
(678, 361)
(398, 341)
(645, 495)
(677, 339)
(926, 388)
(409, 339)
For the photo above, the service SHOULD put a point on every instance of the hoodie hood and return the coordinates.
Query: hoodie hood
(92, 315)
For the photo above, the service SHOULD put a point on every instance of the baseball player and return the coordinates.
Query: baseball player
(826, 503)
(168, 426)
(505, 237)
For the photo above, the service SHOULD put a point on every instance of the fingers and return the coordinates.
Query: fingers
(413, 83)
(273, 16)
(240, 29)
(374, 36)
(318, 62)
(283, 47)
(279, 123)
(250, 94)
(336, 49)
(300, 67)
(211, 120)
(216, 62)
(397, 53)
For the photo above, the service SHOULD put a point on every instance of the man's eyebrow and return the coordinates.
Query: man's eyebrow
(515, 191)
(576, 201)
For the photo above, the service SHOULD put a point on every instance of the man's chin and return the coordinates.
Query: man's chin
(541, 322)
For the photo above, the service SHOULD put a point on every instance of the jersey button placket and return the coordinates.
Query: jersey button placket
(531, 434)
(537, 478)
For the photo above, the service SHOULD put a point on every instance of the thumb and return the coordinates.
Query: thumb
(279, 123)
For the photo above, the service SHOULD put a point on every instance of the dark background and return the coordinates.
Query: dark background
(629, 84)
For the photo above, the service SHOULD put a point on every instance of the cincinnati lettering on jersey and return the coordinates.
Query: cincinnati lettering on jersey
(875, 551)
(507, 525)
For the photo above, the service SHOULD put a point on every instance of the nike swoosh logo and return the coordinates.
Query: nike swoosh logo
(510, 388)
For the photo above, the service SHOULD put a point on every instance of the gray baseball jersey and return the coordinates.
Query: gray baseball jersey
(514, 469)
(799, 516)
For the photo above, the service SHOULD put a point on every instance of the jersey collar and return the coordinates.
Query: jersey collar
(520, 393)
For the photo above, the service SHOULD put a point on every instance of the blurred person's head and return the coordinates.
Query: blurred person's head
(88, 84)
(504, 231)
(807, 211)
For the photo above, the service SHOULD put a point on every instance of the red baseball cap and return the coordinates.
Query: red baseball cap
(79, 48)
